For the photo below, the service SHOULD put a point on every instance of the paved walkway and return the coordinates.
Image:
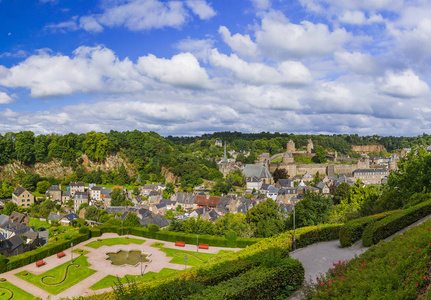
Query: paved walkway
(96, 258)
(318, 258)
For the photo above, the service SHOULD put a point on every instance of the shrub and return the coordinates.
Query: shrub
(3, 280)
(352, 230)
(259, 283)
(95, 232)
(384, 228)
(309, 235)
(84, 230)
(153, 228)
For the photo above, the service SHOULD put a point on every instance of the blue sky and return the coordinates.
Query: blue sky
(196, 66)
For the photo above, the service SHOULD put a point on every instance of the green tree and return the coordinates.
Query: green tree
(280, 174)
(43, 186)
(313, 209)
(342, 192)
(123, 177)
(131, 220)
(40, 147)
(320, 157)
(24, 147)
(9, 208)
(264, 219)
(117, 197)
(92, 213)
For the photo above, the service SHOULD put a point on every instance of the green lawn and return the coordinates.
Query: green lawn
(110, 280)
(157, 245)
(277, 160)
(60, 278)
(38, 223)
(80, 251)
(193, 258)
(10, 291)
(114, 241)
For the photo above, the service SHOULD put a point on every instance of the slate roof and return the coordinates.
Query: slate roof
(223, 204)
(54, 188)
(115, 209)
(213, 215)
(256, 170)
(14, 242)
(70, 217)
(17, 217)
(96, 188)
(272, 190)
(4, 219)
(285, 182)
(321, 185)
(77, 184)
(159, 220)
(81, 195)
(253, 179)
(168, 202)
(18, 191)
(105, 191)
(53, 216)
(186, 198)
(160, 205)
(65, 194)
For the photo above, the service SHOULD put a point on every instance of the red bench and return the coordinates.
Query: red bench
(40, 263)
(204, 246)
(181, 244)
(61, 254)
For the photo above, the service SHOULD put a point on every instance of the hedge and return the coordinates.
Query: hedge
(384, 228)
(352, 230)
(95, 232)
(309, 235)
(262, 282)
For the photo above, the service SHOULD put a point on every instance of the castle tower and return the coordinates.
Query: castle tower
(310, 146)
(290, 147)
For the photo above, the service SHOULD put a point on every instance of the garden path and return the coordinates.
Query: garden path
(318, 258)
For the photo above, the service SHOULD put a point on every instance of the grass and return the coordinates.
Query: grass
(59, 280)
(110, 280)
(193, 258)
(303, 160)
(114, 241)
(276, 161)
(398, 269)
(158, 245)
(80, 251)
(7, 290)
(38, 223)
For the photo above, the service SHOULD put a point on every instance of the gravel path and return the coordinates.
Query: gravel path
(318, 258)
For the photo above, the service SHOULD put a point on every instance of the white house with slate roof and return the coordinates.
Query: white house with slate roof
(258, 171)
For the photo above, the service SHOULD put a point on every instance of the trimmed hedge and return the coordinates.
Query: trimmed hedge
(384, 228)
(95, 232)
(188, 238)
(262, 282)
(352, 230)
(309, 235)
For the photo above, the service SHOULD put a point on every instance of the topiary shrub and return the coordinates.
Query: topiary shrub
(84, 230)
(153, 228)
(3, 279)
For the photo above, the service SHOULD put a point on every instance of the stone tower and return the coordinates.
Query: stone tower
(290, 147)
(310, 146)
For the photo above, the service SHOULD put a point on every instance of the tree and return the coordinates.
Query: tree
(82, 206)
(92, 213)
(131, 220)
(123, 177)
(280, 174)
(117, 197)
(43, 186)
(9, 208)
(320, 157)
(342, 192)
(313, 209)
(316, 178)
(265, 220)
(24, 147)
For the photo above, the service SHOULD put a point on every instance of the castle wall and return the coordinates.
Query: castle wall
(365, 149)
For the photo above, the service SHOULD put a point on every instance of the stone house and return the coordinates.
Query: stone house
(80, 198)
(54, 193)
(22, 197)
(76, 187)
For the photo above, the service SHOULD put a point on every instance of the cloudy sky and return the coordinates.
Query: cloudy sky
(196, 66)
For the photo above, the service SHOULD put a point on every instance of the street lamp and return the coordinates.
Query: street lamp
(294, 200)
(141, 263)
(185, 261)
(197, 243)
(71, 253)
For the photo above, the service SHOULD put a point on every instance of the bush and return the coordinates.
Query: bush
(231, 237)
(84, 230)
(259, 283)
(384, 228)
(95, 232)
(153, 228)
(352, 230)
(306, 236)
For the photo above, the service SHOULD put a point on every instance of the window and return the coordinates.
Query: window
(23, 200)
(22, 204)
(28, 200)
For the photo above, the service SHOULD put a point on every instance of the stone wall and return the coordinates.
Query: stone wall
(365, 149)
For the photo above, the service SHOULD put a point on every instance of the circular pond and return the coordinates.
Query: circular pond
(129, 257)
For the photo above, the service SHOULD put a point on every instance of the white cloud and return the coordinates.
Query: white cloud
(201, 8)
(405, 84)
(199, 48)
(242, 44)
(362, 63)
(353, 17)
(90, 70)
(261, 4)
(288, 72)
(284, 40)
(5, 98)
(182, 70)
(89, 23)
